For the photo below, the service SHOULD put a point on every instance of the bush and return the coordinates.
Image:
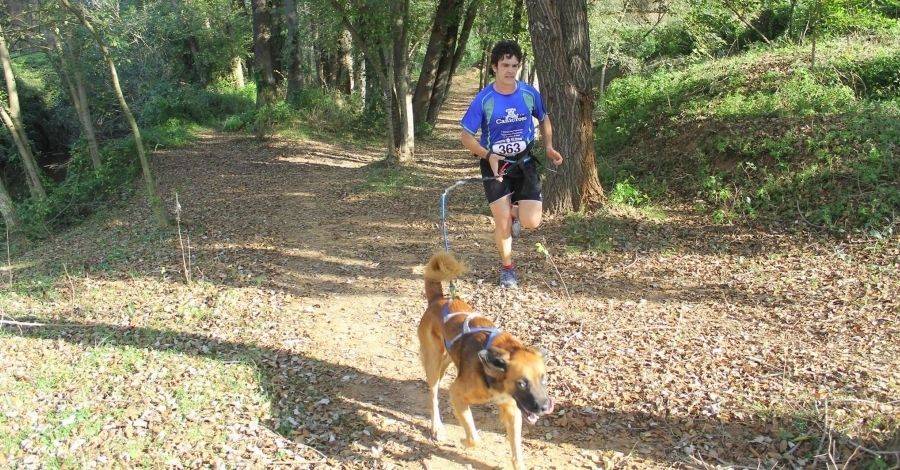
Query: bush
(190, 103)
(626, 193)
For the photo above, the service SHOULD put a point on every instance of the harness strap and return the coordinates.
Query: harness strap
(466, 329)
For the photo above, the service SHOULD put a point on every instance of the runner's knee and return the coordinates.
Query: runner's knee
(530, 220)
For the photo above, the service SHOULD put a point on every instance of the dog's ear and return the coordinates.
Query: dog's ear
(495, 361)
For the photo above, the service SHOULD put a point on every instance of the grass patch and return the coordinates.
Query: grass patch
(389, 180)
(762, 136)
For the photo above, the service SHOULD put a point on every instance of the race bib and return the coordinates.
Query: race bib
(508, 148)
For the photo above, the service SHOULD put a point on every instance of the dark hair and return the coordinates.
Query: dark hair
(505, 48)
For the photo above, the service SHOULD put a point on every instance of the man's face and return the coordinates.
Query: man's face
(506, 69)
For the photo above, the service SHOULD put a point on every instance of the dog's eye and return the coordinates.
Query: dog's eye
(522, 384)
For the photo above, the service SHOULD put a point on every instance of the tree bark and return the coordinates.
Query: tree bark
(453, 56)
(345, 57)
(384, 69)
(433, 54)
(74, 79)
(263, 56)
(294, 51)
(237, 72)
(359, 74)
(12, 118)
(8, 209)
(559, 34)
(149, 180)
(406, 140)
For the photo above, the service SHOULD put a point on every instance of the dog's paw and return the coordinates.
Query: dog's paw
(438, 434)
(469, 443)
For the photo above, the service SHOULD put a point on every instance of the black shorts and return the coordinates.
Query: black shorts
(522, 181)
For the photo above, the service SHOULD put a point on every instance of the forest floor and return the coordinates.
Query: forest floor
(672, 340)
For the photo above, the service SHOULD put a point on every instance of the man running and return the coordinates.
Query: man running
(503, 112)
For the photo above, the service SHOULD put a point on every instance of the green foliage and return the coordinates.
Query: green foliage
(314, 111)
(84, 189)
(626, 193)
(389, 180)
(194, 104)
(763, 136)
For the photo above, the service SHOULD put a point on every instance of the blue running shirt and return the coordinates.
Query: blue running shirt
(504, 120)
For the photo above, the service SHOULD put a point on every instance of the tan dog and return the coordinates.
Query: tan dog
(492, 366)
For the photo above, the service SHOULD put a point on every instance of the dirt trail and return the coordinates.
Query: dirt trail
(303, 215)
(664, 355)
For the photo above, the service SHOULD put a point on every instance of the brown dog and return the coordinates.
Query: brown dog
(492, 366)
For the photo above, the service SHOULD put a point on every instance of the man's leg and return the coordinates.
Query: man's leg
(500, 209)
(529, 213)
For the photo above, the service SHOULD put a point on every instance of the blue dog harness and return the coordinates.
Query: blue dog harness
(466, 330)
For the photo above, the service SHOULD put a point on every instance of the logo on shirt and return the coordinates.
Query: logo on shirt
(511, 117)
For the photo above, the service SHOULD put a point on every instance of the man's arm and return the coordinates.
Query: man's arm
(471, 143)
(547, 136)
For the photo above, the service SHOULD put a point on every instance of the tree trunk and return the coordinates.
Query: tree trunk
(237, 72)
(452, 58)
(72, 76)
(263, 57)
(406, 141)
(373, 91)
(12, 118)
(8, 209)
(517, 20)
(391, 114)
(294, 51)
(315, 57)
(384, 68)
(149, 180)
(345, 56)
(485, 65)
(359, 74)
(433, 53)
(559, 34)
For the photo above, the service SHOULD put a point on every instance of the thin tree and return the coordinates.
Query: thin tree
(11, 115)
(149, 181)
(8, 209)
(73, 78)
(381, 49)
(445, 48)
(560, 39)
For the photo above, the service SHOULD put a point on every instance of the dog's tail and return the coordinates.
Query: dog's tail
(441, 267)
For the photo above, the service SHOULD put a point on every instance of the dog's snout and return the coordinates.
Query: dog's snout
(547, 406)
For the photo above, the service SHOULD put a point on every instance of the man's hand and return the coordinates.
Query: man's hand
(494, 161)
(554, 156)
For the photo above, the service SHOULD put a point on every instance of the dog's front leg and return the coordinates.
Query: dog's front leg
(512, 419)
(463, 414)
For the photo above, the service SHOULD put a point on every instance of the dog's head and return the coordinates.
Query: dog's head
(521, 375)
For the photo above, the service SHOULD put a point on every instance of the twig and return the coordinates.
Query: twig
(895, 453)
(71, 284)
(21, 323)
(616, 270)
(805, 220)
(8, 259)
(541, 248)
(184, 262)
(643, 328)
